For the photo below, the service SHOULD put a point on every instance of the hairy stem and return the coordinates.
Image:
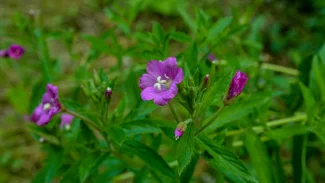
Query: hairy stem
(174, 112)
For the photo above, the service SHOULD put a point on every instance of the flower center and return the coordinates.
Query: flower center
(162, 83)
(46, 106)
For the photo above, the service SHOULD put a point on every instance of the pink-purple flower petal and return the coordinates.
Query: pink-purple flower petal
(66, 120)
(159, 84)
(15, 51)
(237, 84)
(155, 68)
(147, 80)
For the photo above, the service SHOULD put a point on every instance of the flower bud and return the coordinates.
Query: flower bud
(205, 82)
(180, 129)
(66, 120)
(236, 87)
(108, 93)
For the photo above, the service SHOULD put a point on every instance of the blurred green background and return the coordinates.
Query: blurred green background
(286, 32)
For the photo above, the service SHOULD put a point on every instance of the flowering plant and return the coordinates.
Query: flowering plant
(127, 104)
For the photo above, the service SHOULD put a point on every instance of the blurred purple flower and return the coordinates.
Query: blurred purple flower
(66, 120)
(237, 85)
(50, 106)
(15, 51)
(3, 53)
(160, 82)
(211, 57)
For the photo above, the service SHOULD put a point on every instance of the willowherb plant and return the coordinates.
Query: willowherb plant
(157, 117)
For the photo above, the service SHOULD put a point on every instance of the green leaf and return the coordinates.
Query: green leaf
(309, 101)
(132, 90)
(215, 92)
(218, 27)
(149, 156)
(40, 132)
(116, 133)
(53, 161)
(187, 19)
(180, 36)
(225, 161)
(321, 53)
(238, 110)
(287, 131)
(71, 174)
(189, 170)
(158, 33)
(140, 126)
(185, 149)
(259, 157)
(317, 76)
(319, 130)
(89, 165)
(299, 158)
(191, 56)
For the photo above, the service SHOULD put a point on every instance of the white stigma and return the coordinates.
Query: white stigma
(160, 82)
(46, 106)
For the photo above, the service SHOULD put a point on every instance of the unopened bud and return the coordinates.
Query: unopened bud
(236, 87)
(180, 129)
(205, 82)
(108, 93)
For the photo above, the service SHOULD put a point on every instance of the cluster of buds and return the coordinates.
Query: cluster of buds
(98, 88)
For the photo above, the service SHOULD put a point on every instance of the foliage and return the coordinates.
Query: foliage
(274, 131)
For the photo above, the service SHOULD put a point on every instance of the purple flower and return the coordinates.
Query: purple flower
(237, 85)
(178, 133)
(180, 129)
(159, 84)
(211, 57)
(66, 120)
(50, 106)
(3, 53)
(15, 51)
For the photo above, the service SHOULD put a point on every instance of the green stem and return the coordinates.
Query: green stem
(280, 68)
(88, 122)
(213, 118)
(174, 112)
(260, 129)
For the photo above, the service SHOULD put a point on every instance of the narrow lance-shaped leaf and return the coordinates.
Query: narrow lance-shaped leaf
(309, 101)
(218, 27)
(149, 156)
(185, 149)
(225, 161)
(259, 157)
